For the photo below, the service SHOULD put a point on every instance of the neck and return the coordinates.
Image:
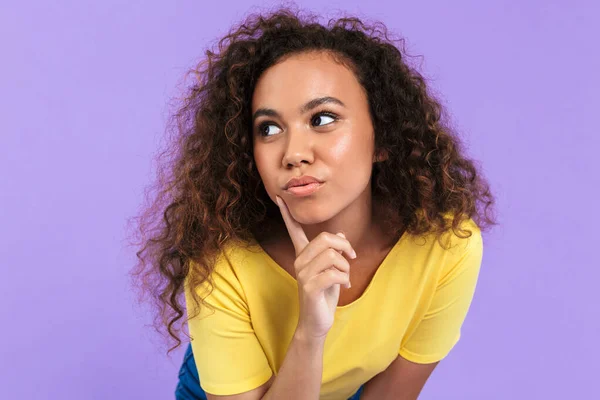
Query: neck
(357, 222)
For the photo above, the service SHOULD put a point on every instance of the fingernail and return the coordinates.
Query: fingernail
(277, 199)
(342, 234)
(353, 255)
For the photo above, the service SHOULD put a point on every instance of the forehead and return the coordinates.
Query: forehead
(303, 77)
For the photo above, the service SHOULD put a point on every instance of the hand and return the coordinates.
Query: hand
(320, 270)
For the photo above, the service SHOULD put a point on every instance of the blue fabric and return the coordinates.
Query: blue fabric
(188, 387)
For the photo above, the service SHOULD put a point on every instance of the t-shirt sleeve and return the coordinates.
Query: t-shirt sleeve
(228, 355)
(440, 328)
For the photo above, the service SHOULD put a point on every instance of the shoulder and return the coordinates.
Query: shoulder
(452, 250)
(466, 238)
(234, 259)
(218, 267)
(458, 240)
(464, 251)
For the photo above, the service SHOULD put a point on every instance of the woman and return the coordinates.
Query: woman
(318, 216)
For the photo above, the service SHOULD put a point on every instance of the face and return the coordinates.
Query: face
(311, 117)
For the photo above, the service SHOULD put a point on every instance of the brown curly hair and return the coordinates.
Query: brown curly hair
(208, 189)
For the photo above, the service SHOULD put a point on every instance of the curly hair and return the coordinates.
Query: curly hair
(208, 190)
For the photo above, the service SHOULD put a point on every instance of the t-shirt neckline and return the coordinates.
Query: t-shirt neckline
(382, 265)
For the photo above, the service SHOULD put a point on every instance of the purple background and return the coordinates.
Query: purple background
(84, 99)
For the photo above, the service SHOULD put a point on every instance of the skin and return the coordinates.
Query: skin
(340, 151)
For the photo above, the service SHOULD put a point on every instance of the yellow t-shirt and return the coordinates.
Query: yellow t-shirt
(413, 307)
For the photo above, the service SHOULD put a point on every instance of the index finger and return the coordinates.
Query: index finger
(295, 230)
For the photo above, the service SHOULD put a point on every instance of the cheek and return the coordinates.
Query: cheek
(341, 149)
(351, 158)
(350, 150)
(261, 160)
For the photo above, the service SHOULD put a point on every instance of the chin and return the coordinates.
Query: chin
(309, 214)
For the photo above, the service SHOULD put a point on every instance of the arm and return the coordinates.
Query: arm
(301, 372)
(231, 362)
(437, 332)
(401, 380)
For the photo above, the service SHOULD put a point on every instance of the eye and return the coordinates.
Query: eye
(319, 117)
(262, 127)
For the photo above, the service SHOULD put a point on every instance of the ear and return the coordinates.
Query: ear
(381, 156)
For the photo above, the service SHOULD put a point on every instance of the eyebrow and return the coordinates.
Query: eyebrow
(306, 107)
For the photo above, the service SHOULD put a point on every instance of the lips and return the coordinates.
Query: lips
(302, 181)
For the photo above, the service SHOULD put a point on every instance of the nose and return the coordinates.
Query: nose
(299, 149)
